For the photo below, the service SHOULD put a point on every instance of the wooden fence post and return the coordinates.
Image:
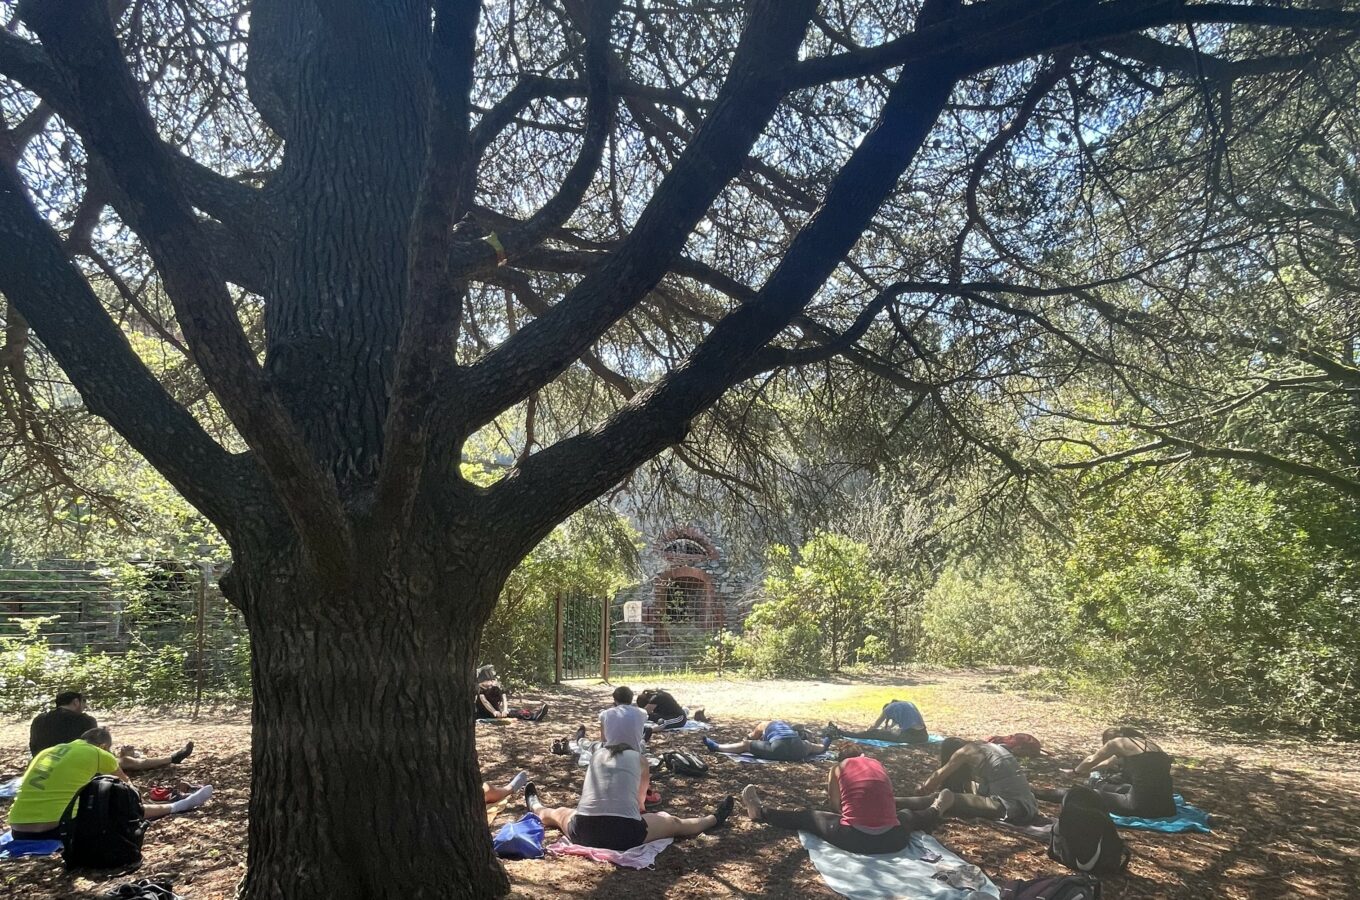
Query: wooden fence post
(202, 616)
(558, 644)
(604, 640)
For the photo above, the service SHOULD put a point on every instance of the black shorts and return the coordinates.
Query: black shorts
(607, 832)
(785, 749)
(51, 834)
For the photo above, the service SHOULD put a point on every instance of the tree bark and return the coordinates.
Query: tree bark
(365, 781)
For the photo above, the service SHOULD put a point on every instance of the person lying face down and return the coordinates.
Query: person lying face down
(986, 780)
(58, 773)
(867, 818)
(609, 814)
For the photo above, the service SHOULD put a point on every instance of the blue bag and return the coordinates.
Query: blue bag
(520, 840)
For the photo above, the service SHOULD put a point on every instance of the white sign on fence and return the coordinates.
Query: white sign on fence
(632, 611)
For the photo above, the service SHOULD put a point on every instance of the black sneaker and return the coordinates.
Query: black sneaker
(538, 716)
(724, 810)
(531, 797)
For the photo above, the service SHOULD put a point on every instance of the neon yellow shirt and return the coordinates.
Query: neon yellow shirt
(55, 776)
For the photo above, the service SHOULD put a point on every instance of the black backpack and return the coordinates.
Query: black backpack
(682, 762)
(102, 827)
(1084, 838)
(1054, 887)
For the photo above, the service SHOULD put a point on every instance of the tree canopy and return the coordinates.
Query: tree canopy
(302, 255)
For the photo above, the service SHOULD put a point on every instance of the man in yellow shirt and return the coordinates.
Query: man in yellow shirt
(58, 773)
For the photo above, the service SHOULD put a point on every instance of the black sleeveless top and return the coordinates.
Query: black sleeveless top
(1149, 774)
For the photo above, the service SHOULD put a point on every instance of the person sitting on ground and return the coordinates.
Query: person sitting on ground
(1145, 787)
(610, 813)
(494, 795)
(664, 711)
(869, 820)
(492, 700)
(900, 722)
(986, 780)
(622, 724)
(58, 773)
(772, 740)
(67, 720)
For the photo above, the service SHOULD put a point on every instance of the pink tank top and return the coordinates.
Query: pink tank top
(866, 794)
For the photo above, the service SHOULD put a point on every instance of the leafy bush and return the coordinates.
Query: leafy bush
(972, 617)
(816, 611)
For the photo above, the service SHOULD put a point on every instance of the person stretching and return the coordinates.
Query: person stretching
(58, 773)
(986, 780)
(772, 740)
(67, 720)
(664, 711)
(1144, 790)
(900, 722)
(609, 814)
(869, 821)
(493, 702)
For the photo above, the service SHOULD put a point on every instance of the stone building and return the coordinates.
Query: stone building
(691, 593)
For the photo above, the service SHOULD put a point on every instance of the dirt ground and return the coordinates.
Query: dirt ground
(1287, 822)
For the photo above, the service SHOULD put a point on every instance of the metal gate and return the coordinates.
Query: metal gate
(582, 636)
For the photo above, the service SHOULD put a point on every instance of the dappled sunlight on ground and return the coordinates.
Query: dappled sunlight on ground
(1289, 818)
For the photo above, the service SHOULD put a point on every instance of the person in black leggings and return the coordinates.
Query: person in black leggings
(1145, 788)
(866, 818)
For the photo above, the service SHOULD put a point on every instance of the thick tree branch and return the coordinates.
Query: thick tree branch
(546, 346)
(39, 279)
(231, 202)
(565, 476)
(428, 336)
(993, 33)
(117, 128)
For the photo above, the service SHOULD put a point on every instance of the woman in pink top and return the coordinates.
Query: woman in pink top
(869, 821)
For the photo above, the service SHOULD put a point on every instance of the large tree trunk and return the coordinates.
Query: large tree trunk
(365, 780)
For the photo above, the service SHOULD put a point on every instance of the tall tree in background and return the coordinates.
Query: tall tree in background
(377, 229)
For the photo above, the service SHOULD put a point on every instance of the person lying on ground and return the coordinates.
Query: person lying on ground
(900, 722)
(494, 795)
(610, 813)
(986, 780)
(58, 773)
(67, 720)
(772, 740)
(664, 711)
(493, 701)
(869, 820)
(1144, 787)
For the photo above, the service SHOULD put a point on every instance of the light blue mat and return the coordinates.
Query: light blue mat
(893, 876)
(1187, 818)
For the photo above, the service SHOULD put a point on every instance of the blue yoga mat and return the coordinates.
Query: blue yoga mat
(870, 742)
(12, 849)
(1187, 818)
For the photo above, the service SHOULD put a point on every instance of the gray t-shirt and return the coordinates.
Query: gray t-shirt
(624, 725)
(1000, 776)
(612, 783)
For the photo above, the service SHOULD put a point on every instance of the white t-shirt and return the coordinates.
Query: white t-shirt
(623, 725)
(612, 784)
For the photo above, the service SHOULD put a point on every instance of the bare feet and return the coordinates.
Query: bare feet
(943, 800)
(750, 798)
